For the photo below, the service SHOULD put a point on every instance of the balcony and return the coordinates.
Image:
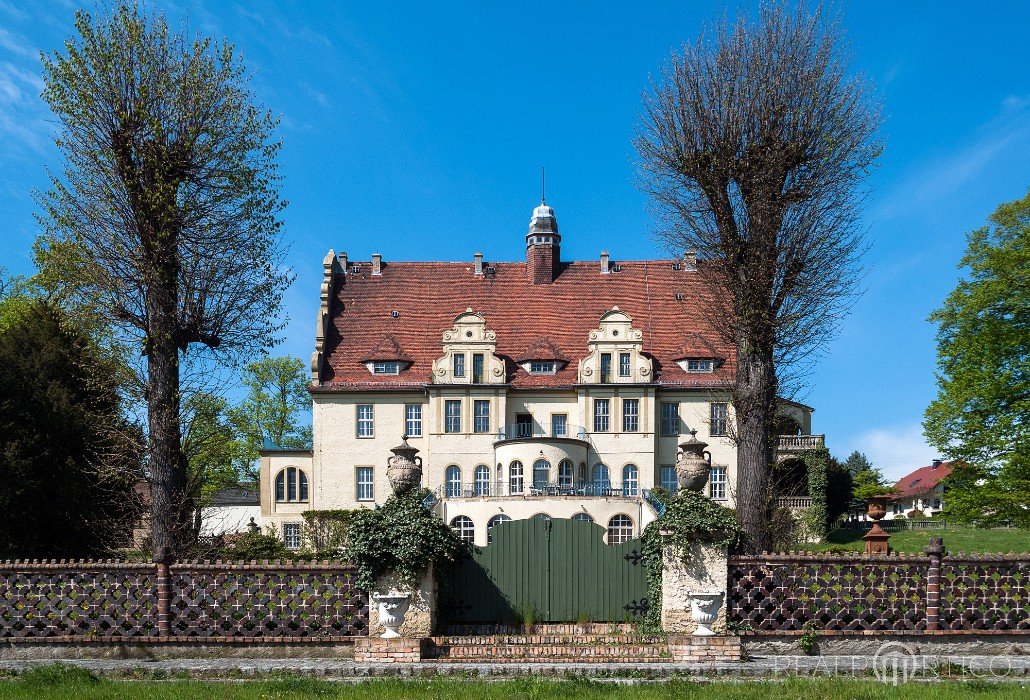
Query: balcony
(525, 431)
(796, 443)
(794, 502)
(485, 489)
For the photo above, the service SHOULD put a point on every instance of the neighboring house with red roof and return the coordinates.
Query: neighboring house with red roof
(539, 388)
(921, 492)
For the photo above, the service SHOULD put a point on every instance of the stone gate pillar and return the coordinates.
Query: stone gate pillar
(706, 569)
(420, 618)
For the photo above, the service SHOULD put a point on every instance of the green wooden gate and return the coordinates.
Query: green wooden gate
(553, 570)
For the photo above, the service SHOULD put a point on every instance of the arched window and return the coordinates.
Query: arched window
(517, 478)
(464, 528)
(629, 480)
(583, 518)
(601, 481)
(620, 529)
(541, 516)
(541, 473)
(291, 486)
(565, 473)
(482, 480)
(453, 480)
(492, 523)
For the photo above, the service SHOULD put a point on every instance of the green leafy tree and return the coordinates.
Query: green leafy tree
(981, 414)
(68, 460)
(840, 489)
(216, 457)
(276, 402)
(167, 202)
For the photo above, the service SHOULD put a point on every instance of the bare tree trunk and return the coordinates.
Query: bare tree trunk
(754, 402)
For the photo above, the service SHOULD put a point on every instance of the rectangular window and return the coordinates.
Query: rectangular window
(668, 479)
(630, 415)
(600, 415)
(386, 368)
(413, 420)
(606, 367)
(624, 364)
(717, 425)
(291, 535)
(366, 420)
(700, 365)
(477, 368)
(541, 367)
(366, 484)
(459, 365)
(559, 425)
(717, 485)
(670, 419)
(452, 417)
(481, 417)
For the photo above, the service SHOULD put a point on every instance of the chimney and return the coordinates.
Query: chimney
(936, 463)
(342, 257)
(543, 246)
(605, 266)
(690, 260)
(377, 264)
(479, 263)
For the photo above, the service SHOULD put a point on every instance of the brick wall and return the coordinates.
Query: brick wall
(213, 601)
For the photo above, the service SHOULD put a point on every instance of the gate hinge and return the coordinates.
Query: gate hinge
(634, 557)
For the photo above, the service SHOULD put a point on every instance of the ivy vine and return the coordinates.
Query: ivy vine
(689, 517)
(401, 538)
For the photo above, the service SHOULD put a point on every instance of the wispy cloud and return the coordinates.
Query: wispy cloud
(897, 450)
(17, 44)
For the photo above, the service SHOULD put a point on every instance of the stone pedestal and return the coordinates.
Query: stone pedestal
(706, 569)
(705, 649)
(398, 650)
(420, 618)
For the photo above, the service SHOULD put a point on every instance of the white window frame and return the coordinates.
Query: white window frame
(413, 419)
(516, 478)
(717, 484)
(701, 365)
(480, 423)
(458, 365)
(452, 481)
(620, 529)
(631, 418)
(630, 480)
(365, 483)
(625, 364)
(464, 528)
(602, 419)
(292, 539)
(566, 473)
(387, 367)
(542, 367)
(481, 480)
(366, 427)
(675, 419)
(451, 423)
(719, 426)
(564, 419)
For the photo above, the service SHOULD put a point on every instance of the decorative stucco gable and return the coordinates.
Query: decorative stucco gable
(469, 353)
(608, 347)
(330, 265)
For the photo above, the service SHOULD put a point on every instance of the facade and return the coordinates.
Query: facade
(920, 493)
(231, 512)
(541, 388)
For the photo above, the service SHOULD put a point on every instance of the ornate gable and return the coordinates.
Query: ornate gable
(615, 353)
(469, 353)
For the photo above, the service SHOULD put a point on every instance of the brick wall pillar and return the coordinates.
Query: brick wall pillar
(935, 550)
(164, 598)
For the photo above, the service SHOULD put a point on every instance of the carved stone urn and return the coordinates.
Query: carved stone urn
(876, 540)
(692, 466)
(391, 608)
(704, 607)
(404, 469)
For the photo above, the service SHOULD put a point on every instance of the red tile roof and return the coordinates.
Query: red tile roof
(922, 480)
(427, 297)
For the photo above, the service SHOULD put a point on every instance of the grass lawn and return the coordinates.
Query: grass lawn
(957, 538)
(56, 683)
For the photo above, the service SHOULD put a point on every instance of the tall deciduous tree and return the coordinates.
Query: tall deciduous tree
(272, 411)
(753, 144)
(982, 411)
(168, 196)
(67, 460)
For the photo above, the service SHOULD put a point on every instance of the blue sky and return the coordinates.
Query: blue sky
(418, 130)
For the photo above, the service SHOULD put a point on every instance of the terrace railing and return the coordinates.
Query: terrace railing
(505, 489)
(524, 431)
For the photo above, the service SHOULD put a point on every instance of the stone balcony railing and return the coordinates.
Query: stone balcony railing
(794, 502)
(793, 443)
(491, 489)
(524, 431)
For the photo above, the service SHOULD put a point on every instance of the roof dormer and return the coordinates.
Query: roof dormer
(469, 353)
(616, 353)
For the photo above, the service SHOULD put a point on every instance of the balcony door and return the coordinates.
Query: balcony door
(523, 425)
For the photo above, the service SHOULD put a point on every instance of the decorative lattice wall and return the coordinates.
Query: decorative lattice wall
(107, 600)
(776, 593)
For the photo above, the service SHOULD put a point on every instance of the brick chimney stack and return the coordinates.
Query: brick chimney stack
(543, 246)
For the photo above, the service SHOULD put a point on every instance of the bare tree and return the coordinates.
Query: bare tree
(753, 144)
(168, 201)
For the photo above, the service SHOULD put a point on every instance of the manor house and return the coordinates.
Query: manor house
(542, 388)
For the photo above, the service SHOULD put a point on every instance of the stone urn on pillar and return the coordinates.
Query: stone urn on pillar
(876, 538)
(693, 464)
(404, 469)
(391, 608)
(704, 607)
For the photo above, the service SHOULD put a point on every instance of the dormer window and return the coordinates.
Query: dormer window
(386, 368)
(459, 366)
(542, 367)
(707, 365)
